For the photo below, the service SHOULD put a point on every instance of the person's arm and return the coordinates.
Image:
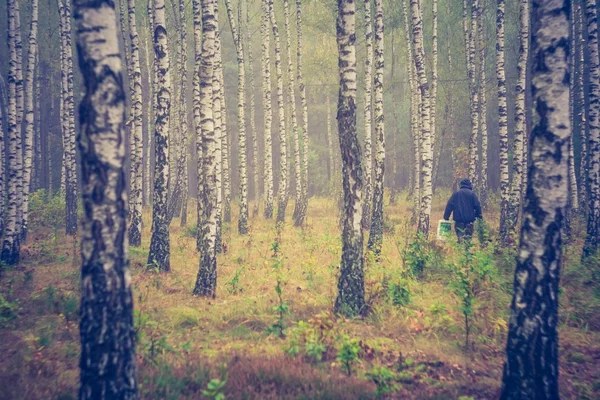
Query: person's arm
(449, 208)
(477, 205)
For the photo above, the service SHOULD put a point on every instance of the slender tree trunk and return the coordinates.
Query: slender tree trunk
(426, 149)
(253, 130)
(217, 91)
(471, 36)
(108, 362)
(37, 141)
(20, 98)
(520, 125)
(237, 39)
(483, 178)
(11, 246)
(151, 107)
(135, 202)
(196, 106)
(206, 282)
(368, 115)
(531, 368)
(582, 101)
(159, 256)
(225, 164)
(29, 118)
(592, 239)
(283, 175)
(183, 114)
(394, 184)
(351, 292)
(436, 148)
(268, 112)
(2, 172)
(299, 50)
(331, 162)
(376, 234)
(502, 122)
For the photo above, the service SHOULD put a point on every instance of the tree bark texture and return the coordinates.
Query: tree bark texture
(268, 112)
(368, 118)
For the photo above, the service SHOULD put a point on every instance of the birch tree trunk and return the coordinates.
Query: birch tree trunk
(253, 131)
(196, 106)
(206, 282)
(107, 361)
(225, 165)
(531, 367)
(351, 292)
(502, 122)
(11, 246)
(151, 108)
(592, 238)
(159, 255)
(483, 178)
(376, 233)
(20, 113)
(268, 112)
(135, 204)
(584, 165)
(434, 86)
(2, 172)
(519, 145)
(29, 117)
(471, 72)
(299, 50)
(426, 148)
(237, 40)
(183, 114)
(283, 175)
(220, 128)
(368, 114)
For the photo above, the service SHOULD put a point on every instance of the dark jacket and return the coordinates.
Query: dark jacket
(464, 204)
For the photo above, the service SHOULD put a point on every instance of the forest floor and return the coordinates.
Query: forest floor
(410, 345)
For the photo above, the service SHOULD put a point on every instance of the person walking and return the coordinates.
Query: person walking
(466, 208)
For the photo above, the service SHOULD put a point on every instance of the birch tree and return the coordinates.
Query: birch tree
(29, 117)
(253, 131)
(206, 282)
(351, 291)
(426, 149)
(183, 179)
(237, 40)
(159, 255)
(368, 114)
(283, 174)
(267, 110)
(483, 178)
(11, 246)
(584, 165)
(531, 367)
(376, 233)
(592, 238)
(434, 86)
(2, 172)
(220, 128)
(107, 361)
(502, 121)
(225, 165)
(470, 37)
(135, 204)
(302, 89)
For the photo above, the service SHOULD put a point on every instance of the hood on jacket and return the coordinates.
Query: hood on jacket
(466, 184)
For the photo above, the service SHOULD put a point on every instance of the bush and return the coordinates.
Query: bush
(8, 311)
(46, 212)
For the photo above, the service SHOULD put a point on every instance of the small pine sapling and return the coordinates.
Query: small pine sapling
(348, 354)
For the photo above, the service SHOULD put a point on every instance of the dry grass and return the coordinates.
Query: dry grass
(184, 339)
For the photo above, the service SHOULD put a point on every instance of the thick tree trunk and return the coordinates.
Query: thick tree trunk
(502, 122)
(426, 155)
(29, 117)
(160, 253)
(592, 239)
(299, 50)
(268, 112)
(376, 233)
(368, 115)
(283, 172)
(531, 368)
(11, 246)
(135, 203)
(206, 282)
(351, 291)
(107, 361)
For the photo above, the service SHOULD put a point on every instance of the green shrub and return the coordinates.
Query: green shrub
(46, 212)
(399, 292)
(8, 311)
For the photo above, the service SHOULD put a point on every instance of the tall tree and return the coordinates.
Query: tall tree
(107, 361)
(582, 106)
(426, 148)
(283, 172)
(368, 116)
(220, 128)
(253, 131)
(502, 121)
(151, 108)
(330, 159)
(267, 110)
(237, 40)
(11, 246)
(29, 117)
(183, 179)
(351, 291)
(299, 50)
(592, 238)
(159, 255)
(434, 85)
(135, 202)
(206, 282)
(470, 37)
(483, 178)
(2, 171)
(376, 234)
(225, 157)
(531, 368)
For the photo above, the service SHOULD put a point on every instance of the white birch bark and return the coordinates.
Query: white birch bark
(368, 115)
(225, 156)
(502, 121)
(283, 174)
(483, 175)
(217, 91)
(376, 233)
(107, 361)
(253, 131)
(183, 113)
(268, 112)
(434, 90)
(29, 117)
(206, 282)
(582, 102)
(471, 72)
(302, 89)
(159, 255)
